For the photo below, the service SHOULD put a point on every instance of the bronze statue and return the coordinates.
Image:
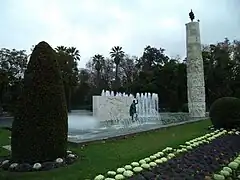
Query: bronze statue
(191, 15)
(132, 110)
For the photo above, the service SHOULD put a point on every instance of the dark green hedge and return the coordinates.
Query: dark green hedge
(225, 113)
(40, 127)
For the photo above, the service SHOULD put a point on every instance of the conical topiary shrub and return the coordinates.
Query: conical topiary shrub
(40, 127)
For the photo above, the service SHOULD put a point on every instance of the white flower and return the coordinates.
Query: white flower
(145, 166)
(135, 164)
(71, 155)
(142, 161)
(160, 153)
(111, 173)
(5, 162)
(69, 152)
(237, 161)
(227, 169)
(13, 165)
(224, 173)
(128, 167)
(188, 143)
(153, 157)
(179, 151)
(158, 161)
(109, 178)
(37, 166)
(157, 155)
(169, 149)
(218, 177)
(233, 165)
(152, 164)
(128, 173)
(164, 159)
(59, 160)
(99, 177)
(171, 155)
(119, 177)
(120, 170)
(137, 169)
(147, 159)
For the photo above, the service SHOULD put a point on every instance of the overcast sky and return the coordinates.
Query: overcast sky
(94, 26)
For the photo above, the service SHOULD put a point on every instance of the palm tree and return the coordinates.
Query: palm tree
(71, 56)
(74, 53)
(68, 63)
(61, 49)
(98, 62)
(117, 54)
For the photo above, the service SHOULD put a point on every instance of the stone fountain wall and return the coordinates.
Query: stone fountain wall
(114, 108)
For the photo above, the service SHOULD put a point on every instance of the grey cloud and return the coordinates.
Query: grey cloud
(218, 19)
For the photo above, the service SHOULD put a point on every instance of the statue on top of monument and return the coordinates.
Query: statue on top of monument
(191, 15)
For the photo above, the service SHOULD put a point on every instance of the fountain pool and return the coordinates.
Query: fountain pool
(85, 127)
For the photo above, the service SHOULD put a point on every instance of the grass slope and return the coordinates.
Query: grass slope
(102, 156)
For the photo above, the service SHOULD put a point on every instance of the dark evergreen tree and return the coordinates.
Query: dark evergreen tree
(40, 127)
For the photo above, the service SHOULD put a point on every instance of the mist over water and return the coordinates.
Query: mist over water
(82, 121)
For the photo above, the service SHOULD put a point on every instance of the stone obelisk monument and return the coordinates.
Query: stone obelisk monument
(195, 71)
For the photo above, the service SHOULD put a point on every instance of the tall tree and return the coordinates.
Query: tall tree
(68, 58)
(128, 66)
(98, 62)
(152, 56)
(12, 66)
(117, 54)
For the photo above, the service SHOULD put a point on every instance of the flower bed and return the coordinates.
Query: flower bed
(231, 169)
(162, 164)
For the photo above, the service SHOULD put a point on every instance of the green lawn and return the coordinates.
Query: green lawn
(100, 157)
(4, 140)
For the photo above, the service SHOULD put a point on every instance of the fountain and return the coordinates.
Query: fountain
(115, 109)
(111, 118)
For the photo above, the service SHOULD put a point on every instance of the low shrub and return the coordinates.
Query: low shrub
(225, 113)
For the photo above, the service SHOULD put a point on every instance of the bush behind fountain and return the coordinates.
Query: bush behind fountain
(39, 130)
